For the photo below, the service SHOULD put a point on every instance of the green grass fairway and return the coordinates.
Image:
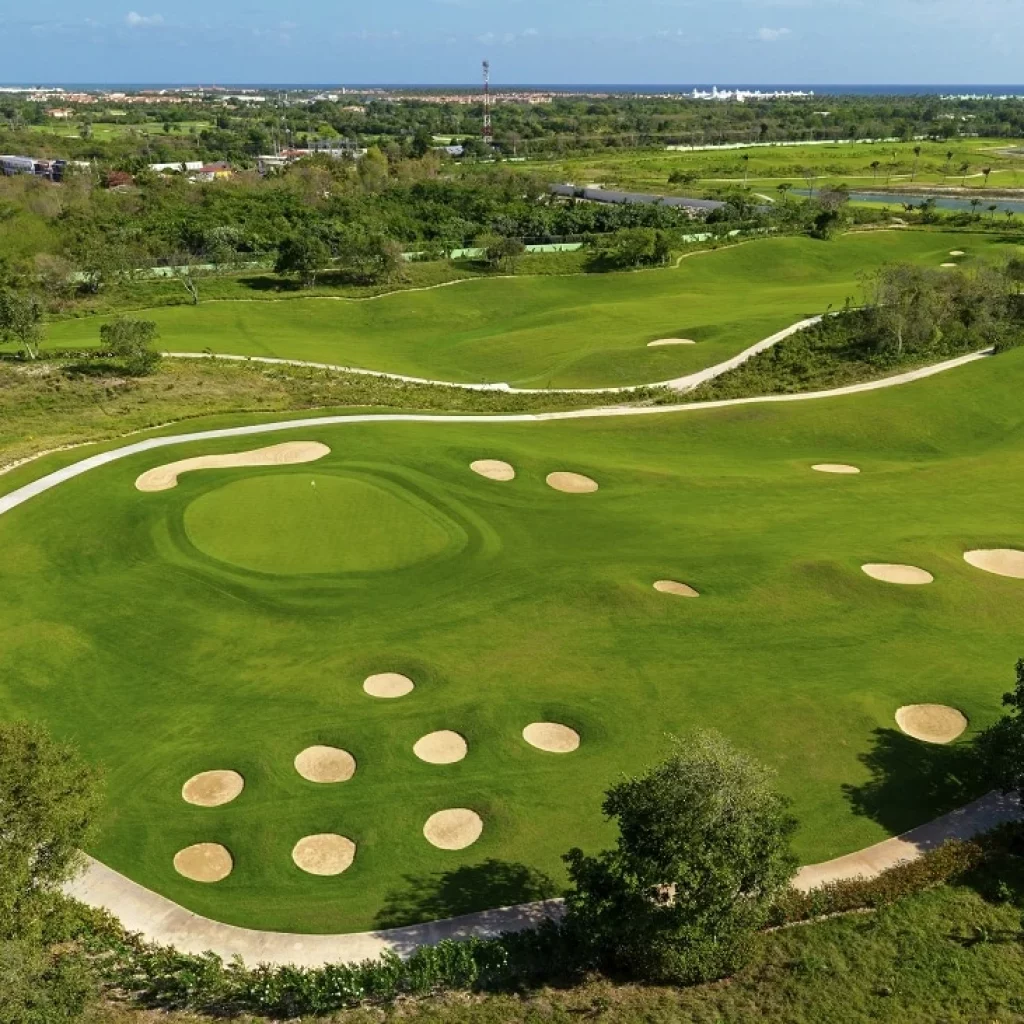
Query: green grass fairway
(585, 331)
(231, 621)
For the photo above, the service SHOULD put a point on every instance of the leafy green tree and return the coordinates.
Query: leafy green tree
(131, 340)
(21, 320)
(635, 247)
(1001, 746)
(304, 254)
(703, 850)
(502, 250)
(42, 986)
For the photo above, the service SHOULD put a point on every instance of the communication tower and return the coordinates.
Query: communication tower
(487, 133)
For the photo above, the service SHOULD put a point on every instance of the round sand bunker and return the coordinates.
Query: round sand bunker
(1001, 561)
(493, 469)
(571, 483)
(204, 862)
(443, 747)
(453, 829)
(388, 685)
(552, 737)
(324, 854)
(675, 587)
(670, 341)
(909, 575)
(933, 723)
(211, 789)
(835, 467)
(325, 764)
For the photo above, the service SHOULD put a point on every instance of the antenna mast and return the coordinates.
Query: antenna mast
(487, 103)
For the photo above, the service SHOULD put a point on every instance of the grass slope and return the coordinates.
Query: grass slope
(162, 660)
(586, 331)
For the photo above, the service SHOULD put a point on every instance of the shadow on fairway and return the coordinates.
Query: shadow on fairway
(463, 890)
(912, 781)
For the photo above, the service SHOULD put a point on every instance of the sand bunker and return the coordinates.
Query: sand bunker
(388, 684)
(493, 469)
(1001, 561)
(956, 252)
(933, 723)
(888, 573)
(204, 862)
(454, 829)
(834, 467)
(571, 483)
(671, 341)
(675, 587)
(324, 854)
(325, 764)
(290, 453)
(552, 737)
(947, 264)
(211, 789)
(443, 747)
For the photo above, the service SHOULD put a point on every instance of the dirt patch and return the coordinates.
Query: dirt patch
(933, 723)
(670, 341)
(887, 572)
(571, 483)
(324, 854)
(204, 862)
(290, 453)
(211, 789)
(675, 587)
(443, 747)
(453, 829)
(493, 469)
(325, 764)
(552, 737)
(1001, 561)
(834, 467)
(388, 685)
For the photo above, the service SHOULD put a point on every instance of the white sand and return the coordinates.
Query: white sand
(453, 829)
(325, 764)
(204, 862)
(289, 453)
(211, 789)
(552, 737)
(493, 469)
(388, 685)
(933, 723)
(442, 747)
(675, 587)
(956, 252)
(1001, 561)
(889, 573)
(834, 467)
(947, 264)
(324, 854)
(571, 483)
(671, 341)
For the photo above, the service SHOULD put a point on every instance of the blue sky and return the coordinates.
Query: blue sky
(553, 41)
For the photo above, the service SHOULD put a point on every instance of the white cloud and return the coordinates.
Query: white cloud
(772, 35)
(135, 20)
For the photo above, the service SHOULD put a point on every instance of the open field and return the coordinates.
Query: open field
(108, 131)
(581, 331)
(149, 627)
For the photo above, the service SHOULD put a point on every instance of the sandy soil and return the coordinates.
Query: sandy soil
(211, 789)
(835, 467)
(933, 723)
(947, 264)
(204, 862)
(956, 252)
(493, 469)
(552, 737)
(889, 573)
(571, 483)
(675, 587)
(388, 684)
(671, 341)
(324, 854)
(453, 829)
(443, 747)
(325, 764)
(289, 453)
(1001, 561)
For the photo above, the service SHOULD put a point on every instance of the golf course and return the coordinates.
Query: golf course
(578, 331)
(357, 631)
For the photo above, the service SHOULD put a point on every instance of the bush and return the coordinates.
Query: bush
(129, 340)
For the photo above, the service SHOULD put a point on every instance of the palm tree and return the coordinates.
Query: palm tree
(949, 160)
(917, 156)
(963, 169)
(783, 188)
(875, 164)
(975, 203)
(746, 167)
(986, 171)
(992, 210)
(1009, 216)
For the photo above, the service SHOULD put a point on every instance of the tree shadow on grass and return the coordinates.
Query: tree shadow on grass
(911, 780)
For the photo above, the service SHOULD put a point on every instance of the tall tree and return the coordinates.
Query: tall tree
(21, 320)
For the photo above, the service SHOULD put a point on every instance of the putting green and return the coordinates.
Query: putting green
(163, 662)
(579, 331)
(301, 523)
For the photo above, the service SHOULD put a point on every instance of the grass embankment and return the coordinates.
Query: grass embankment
(576, 331)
